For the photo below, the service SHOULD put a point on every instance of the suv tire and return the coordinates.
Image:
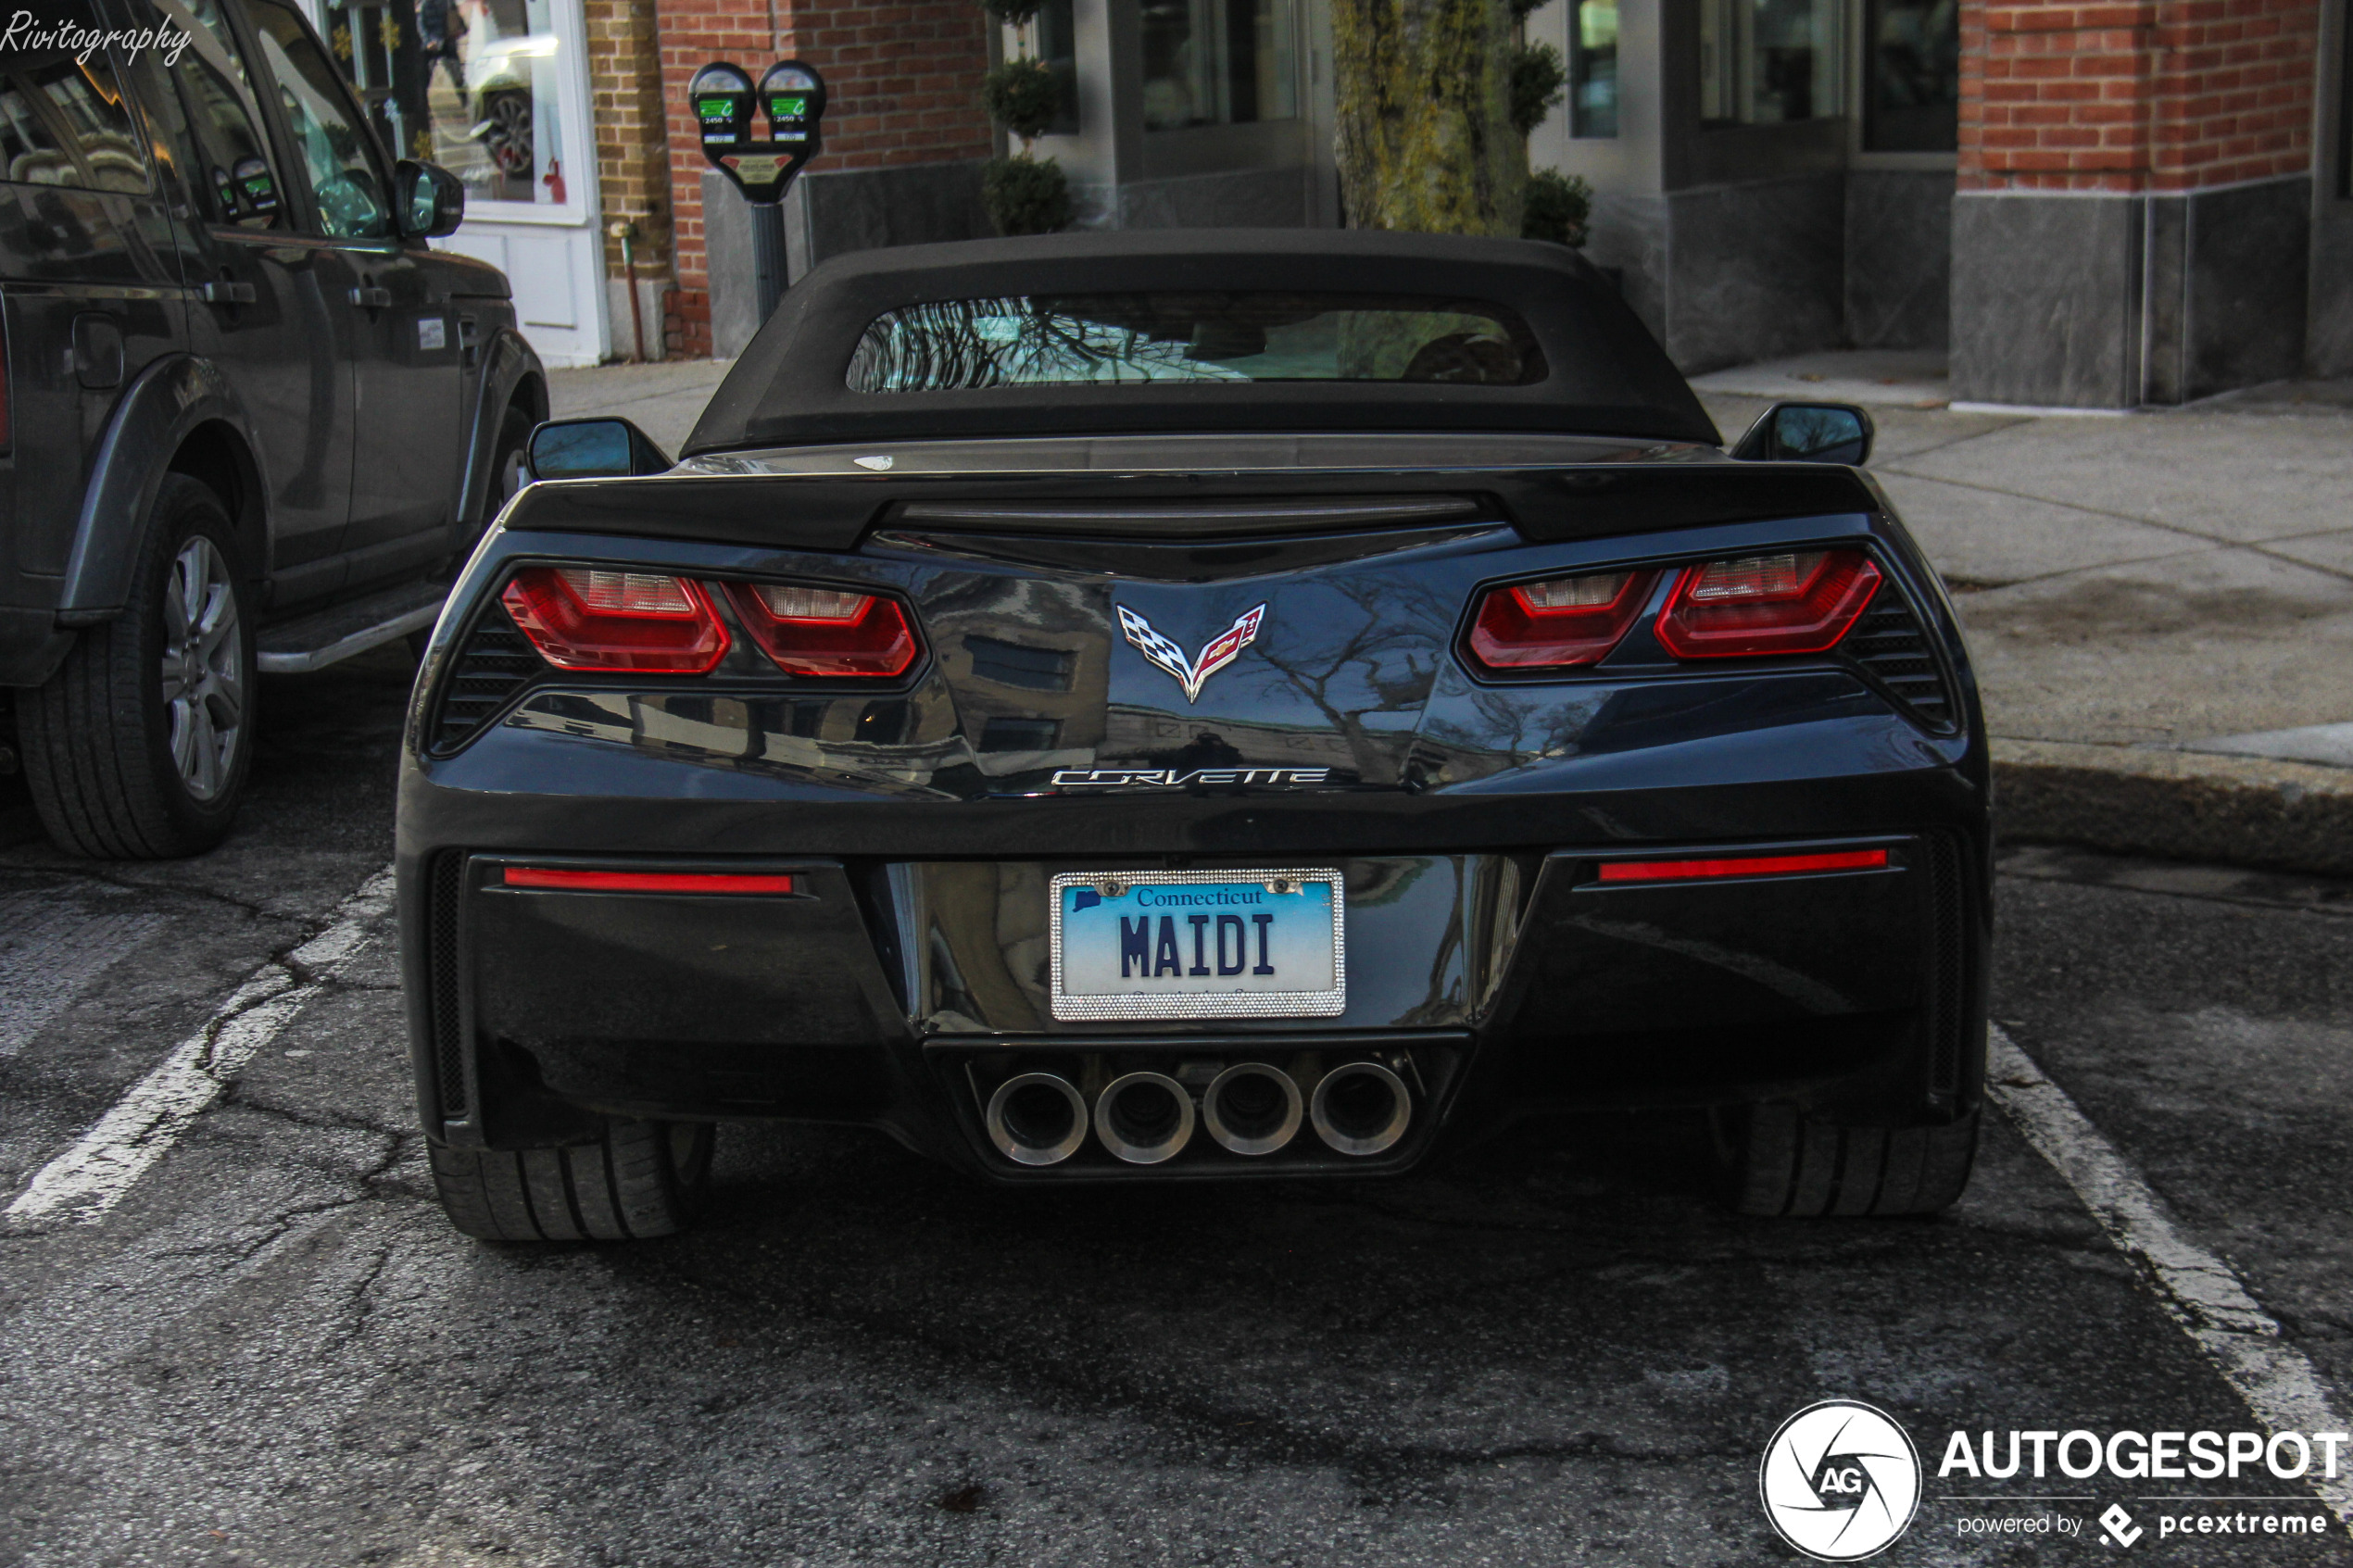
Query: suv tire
(640, 1179)
(1784, 1164)
(138, 748)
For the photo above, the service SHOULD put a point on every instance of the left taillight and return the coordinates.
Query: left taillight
(592, 619)
(826, 633)
(1796, 601)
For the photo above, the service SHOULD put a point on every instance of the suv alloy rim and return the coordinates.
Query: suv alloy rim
(204, 696)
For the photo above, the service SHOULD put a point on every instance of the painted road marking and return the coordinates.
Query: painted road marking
(2198, 1290)
(51, 948)
(90, 1178)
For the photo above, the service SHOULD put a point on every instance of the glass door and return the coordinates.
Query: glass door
(493, 91)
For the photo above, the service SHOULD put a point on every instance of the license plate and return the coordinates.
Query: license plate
(1200, 944)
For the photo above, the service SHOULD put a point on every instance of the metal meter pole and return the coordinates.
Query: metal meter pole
(770, 273)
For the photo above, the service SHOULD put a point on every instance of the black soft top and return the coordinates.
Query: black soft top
(1605, 375)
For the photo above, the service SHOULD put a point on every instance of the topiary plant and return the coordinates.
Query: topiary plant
(1022, 96)
(1025, 195)
(1022, 195)
(1537, 75)
(1558, 206)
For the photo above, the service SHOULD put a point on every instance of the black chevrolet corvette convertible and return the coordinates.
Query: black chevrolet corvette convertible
(1209, 706)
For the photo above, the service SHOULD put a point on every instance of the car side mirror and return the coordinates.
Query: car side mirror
(431, 201)
(1808, 433)
(602, 449)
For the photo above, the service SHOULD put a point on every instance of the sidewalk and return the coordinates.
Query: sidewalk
(2160, 605)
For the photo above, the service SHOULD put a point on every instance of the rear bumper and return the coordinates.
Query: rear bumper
(893, 993)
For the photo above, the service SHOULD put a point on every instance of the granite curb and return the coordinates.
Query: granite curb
(2175, 805)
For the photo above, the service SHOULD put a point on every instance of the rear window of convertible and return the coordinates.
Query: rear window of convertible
(1110, 339)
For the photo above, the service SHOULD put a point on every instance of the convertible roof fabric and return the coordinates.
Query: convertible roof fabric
(1606, 374)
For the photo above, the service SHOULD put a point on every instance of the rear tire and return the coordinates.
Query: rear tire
(1784, 1163)
(138, 748)
(641, 1179)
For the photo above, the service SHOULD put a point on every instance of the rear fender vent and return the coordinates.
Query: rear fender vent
(1947, 964)
(445, 889)
(489, 668)
(1893, 649)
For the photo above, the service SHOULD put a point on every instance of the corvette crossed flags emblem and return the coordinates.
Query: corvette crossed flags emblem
(1222, 649)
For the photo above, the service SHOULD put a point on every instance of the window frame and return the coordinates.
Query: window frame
(295, 202)
(289, 149)
(52, 119)
(1858, 66)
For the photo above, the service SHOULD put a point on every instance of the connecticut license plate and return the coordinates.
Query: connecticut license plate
(1200, 944)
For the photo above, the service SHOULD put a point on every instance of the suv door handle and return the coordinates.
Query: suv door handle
(373, 299)
(229, 293)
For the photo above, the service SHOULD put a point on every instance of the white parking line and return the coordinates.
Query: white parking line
(2201, 1291)
(91, 1177)
(50, 948)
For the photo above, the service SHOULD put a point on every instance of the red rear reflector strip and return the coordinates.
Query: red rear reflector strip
(1754, 865)
(643, 882)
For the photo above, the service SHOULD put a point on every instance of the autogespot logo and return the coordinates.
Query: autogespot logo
(1839, 1481)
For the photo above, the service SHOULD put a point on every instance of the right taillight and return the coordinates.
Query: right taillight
(1560, 621)
(589, 618)
(1793, 601)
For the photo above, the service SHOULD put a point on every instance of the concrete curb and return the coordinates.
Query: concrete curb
(2180, 805)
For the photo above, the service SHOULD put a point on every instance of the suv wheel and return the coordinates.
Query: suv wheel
(138, 748)
(1780, 1163)
(640, 1179)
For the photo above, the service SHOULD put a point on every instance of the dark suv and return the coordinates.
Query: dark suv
(248, 419)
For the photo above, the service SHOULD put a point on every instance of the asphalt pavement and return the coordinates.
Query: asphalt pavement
(1554, 1348)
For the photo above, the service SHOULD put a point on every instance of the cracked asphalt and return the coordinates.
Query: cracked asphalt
(1550, 1349)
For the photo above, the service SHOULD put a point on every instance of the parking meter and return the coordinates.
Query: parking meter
(792, 100)
(720, 96)
(793, 96)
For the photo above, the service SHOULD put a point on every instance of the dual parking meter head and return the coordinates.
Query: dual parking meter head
(790, 98)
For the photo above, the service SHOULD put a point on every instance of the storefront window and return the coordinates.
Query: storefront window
(1057, 46)
(1912, 71)
(1219, 62)
(478, 88)
(1592, 69)
(2345, 114)
(1762, 62)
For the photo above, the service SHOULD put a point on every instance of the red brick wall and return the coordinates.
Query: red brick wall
(632, 143)
(902, 86)
(2158, 95)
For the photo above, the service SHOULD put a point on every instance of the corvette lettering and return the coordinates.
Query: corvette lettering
(1171, 778)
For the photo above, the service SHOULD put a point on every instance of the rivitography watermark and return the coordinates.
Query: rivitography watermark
(30, 34)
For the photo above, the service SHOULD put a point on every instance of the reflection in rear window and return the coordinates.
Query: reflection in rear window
(1113, 339)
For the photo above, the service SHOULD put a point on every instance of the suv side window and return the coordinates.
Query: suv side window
(334, 147)
(65, 122)
(226, 120)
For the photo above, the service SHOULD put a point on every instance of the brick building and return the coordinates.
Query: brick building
(2087, 204)
(2157, 160)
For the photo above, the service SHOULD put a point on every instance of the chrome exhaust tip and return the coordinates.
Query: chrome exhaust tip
(1360, 1108)
(1037, 1119)
(1251, 1108)
(1144, 1118)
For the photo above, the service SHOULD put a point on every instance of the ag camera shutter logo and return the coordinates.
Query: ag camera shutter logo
(1841, 1481)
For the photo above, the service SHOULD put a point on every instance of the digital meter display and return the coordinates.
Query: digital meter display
(714, 108)
(787, 108)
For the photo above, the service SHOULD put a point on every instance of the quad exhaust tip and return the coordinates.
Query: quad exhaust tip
(1144, 1118)
(1251, 1108)
(1038, 1119)
(1360, 1108)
